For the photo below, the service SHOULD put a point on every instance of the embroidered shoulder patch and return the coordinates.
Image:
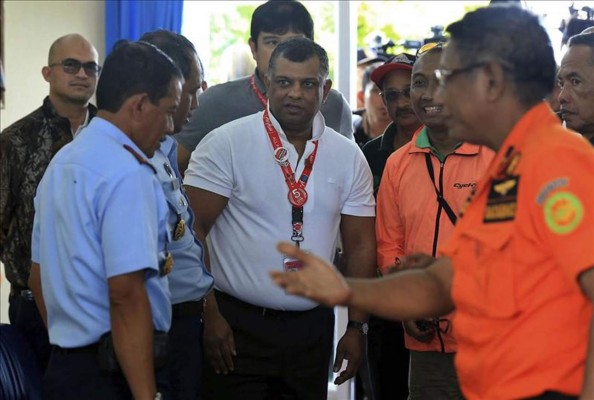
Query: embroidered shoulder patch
(549, 187)
(563, 212)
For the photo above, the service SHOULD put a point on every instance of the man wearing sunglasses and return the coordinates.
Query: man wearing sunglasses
(443, 171)
(519, 267)
(26, 148)
(386, 338)
(393, 78)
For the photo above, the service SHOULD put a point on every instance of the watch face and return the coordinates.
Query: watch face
(365, 328)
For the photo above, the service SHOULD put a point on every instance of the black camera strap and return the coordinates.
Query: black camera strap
(451, 214)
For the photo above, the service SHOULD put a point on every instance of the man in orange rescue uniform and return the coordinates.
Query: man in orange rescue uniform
(519, 268)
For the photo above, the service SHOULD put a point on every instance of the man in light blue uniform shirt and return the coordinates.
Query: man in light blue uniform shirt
(189, 280)
(100, 237)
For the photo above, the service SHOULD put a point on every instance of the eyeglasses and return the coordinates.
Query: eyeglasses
(392, 95)
(429, 46)
(72, 66)
(443, 74)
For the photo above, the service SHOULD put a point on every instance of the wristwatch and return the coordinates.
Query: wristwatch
(360, 326)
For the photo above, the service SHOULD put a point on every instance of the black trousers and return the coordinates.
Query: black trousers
(280, 355)
(388, 360)
(76, 376)
(24, 315)
(181, 378)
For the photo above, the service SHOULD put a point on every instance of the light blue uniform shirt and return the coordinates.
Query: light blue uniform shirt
(189, 279)
(99, 213)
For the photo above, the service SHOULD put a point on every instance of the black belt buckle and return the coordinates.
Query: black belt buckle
(21, 291)
(27, 295)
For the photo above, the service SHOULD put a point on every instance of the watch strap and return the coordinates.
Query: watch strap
(360, 326)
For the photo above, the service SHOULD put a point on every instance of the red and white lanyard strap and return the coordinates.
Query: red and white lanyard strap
(297, 194)
(257, 91)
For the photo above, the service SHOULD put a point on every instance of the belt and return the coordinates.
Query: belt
(21, 291)
(259, 309)
(89, 349)
(188, 309)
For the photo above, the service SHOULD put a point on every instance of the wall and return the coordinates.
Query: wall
(30, 27)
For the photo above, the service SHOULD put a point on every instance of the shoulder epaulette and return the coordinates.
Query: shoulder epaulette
(140, 158)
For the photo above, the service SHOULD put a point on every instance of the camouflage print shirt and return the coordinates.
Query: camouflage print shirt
(26, 148)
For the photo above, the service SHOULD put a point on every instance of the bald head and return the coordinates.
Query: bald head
(72, 70)
(69, 42)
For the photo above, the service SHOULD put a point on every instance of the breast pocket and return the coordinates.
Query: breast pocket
(332, 195)
(491, 284)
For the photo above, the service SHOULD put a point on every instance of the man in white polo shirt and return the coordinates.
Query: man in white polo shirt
(280, 174)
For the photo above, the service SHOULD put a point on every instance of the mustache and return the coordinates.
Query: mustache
(404, 111)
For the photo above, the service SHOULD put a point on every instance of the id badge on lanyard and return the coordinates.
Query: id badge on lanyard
(297, 194)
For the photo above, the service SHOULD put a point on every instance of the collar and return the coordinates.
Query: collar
(387, 140)
(84, 124)
(168, 146)
(317, 128)
(50, 112)
(115, 133)
(423, 143)
(259, 82)
(538, 116)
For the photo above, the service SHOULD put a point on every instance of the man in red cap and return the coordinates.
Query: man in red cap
(388, 358)
(393, 78)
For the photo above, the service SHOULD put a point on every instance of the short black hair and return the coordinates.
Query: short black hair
(513, 37)
(585, 39)
(280, 16)
(132, 68)
(299, 50)
(176, 46)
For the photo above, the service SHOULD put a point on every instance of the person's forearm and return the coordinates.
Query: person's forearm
(132, 331)
(588, 389)
(35, 286)
(406, 295)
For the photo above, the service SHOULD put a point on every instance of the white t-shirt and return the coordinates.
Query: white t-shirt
(236, 161)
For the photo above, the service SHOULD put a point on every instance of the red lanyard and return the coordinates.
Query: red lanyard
(257, 91)
(297, 194)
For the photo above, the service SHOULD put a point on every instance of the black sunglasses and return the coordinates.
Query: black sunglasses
(72, 66)
(392, 95)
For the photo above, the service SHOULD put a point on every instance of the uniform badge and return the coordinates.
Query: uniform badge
(547, 189)
(563, 212)
(180, 229)
(281, 155)
(513, 164)
(502, 200)
(167, 265)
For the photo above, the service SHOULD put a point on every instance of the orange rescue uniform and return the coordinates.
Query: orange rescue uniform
(521, 320)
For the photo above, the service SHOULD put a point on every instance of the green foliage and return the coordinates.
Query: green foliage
(230, 28)
(393, 20)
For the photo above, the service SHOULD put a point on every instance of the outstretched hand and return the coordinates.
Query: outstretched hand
(318, 280)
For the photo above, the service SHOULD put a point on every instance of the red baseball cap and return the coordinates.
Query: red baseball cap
(402, 61)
